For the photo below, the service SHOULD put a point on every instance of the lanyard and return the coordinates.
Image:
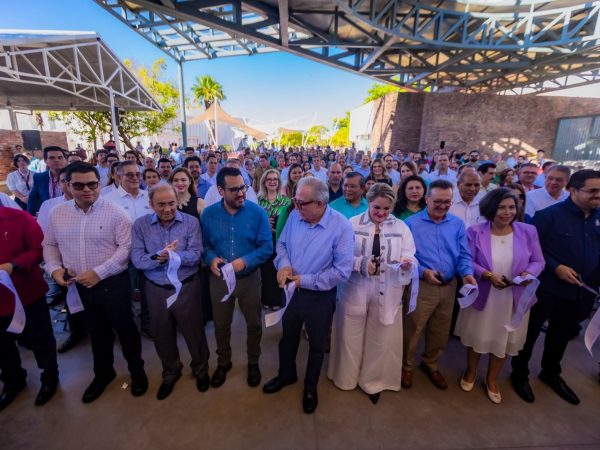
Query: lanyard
(26, 180)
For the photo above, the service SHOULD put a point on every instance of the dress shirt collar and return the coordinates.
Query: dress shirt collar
(96, 205)
(222, 206)
(178, 218)
(123, 193)
(576, 209)
(424, 215)
(323, 222)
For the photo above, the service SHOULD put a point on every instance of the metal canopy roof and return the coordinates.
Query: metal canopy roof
(65, 70)
(482, 46)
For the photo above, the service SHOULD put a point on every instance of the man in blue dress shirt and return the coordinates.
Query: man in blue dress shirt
(569, 234)
(315, 250)
(443, 253)
(238, 232)
(151, 234)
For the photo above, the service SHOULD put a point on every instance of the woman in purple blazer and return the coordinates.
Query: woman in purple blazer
(502, 249)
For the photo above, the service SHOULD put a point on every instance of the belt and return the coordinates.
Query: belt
(170, 286)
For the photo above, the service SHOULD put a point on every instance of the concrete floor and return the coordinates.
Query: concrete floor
(236, 416)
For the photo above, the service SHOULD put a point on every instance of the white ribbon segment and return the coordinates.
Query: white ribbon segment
(469, 294)
(229, 278)
(17, 324)
(592, 332)
(73, 299)
(525, 302)
(174, 264)
(274, 317)
(409, 276)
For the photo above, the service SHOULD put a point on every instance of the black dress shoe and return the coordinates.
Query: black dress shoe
(220, 375)
(165, 389)
(522, 388)
(310, 400)
(96, 388)
(277, 384)
(374, 397)
(559, 386)
(203, 383)
(71, 342)
(9, 393)
(139, 384)
(254, 376)
(47, 391)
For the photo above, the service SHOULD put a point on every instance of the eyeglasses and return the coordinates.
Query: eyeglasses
(92, 185)
(133, 174)
(590, 191)
(235, 190)
(300, 204)
(439, 203)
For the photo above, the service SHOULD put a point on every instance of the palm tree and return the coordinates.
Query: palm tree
(207, 90)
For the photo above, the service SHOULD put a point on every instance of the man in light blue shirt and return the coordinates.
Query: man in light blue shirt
(443, 253)
(238, 232)
(353, 201)
(167, 228)
(315, 251)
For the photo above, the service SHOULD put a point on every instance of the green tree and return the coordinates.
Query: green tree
(293, 139)
(341, 131)
(93, 125)
(378, 90)
(207, 90)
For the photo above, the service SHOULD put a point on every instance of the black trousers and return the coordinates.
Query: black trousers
(38, 333)
(107, 308)
(315, 310)
(562, 315)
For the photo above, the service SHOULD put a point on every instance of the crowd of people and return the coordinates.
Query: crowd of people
(362, 253)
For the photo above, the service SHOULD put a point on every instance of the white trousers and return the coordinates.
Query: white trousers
(363, 351)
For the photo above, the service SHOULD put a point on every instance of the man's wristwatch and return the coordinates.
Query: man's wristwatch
(487, 275)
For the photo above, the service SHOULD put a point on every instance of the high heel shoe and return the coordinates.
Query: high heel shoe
(374, 397)
(465, 385)
(494, 397)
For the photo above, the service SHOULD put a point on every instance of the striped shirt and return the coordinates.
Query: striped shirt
(99, 240)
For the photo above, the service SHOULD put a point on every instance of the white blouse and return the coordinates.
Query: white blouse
(17, 182)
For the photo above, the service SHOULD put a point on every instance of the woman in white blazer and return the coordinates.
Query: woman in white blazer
(366, 342)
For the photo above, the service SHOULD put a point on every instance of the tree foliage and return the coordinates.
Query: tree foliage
(93, 124)
(378, 90)
(207, 90)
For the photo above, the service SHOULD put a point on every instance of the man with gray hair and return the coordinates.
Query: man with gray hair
(314, 251)
(553, 191)
(181, 233)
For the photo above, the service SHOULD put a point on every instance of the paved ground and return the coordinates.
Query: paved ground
(235, 416)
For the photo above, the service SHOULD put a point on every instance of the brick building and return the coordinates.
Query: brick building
(490, 123)
(10, 138)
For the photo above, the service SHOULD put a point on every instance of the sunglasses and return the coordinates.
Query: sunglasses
(92, 185)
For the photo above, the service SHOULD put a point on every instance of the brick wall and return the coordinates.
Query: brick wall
(10, 138)
(397, 123)
(489, 123)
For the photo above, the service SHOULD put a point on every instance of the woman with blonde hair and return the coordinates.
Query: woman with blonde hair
(272, 201)
(187, 199)
(366, 341)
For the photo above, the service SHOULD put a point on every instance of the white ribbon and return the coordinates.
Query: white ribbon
(229, 277)
(469, 294)
(274, 317)
(592, 332)
(17, 324)
(409, 276)
(525, 302)
(174, 264)
(73, 299)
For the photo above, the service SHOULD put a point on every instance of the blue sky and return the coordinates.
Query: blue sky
(272, 87)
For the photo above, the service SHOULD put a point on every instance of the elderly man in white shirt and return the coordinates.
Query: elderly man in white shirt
(466, 198)
(128, 195)
(552, 192)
